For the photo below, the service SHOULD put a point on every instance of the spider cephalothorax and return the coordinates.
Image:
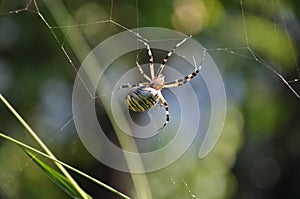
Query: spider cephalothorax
(144, 96)
(157, 82)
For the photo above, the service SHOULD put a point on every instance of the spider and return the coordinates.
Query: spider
(145, 95)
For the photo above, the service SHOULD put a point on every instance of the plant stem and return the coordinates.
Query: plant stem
(43, 146)
(81, 49)
(65, 165)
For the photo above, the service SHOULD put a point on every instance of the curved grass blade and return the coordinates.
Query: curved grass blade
(29, 148)
(59, 179)
(43, 146)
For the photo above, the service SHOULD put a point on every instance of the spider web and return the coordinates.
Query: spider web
(246, 53)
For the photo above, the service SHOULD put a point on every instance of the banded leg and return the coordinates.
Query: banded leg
(151, 60)
(142, 72)
(133, 85)
(164, 102)
(162, 65)
(187, 78)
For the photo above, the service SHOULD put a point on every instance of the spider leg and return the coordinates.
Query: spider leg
(133, 85)
(162, 65)
(151, 60)
(164, 102)
(187, 78)
(142, 72)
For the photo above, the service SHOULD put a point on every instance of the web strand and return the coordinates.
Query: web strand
(263, 62)
(287, 34)
(244, 23)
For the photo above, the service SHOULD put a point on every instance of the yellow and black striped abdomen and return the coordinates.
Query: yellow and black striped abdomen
(142, 98)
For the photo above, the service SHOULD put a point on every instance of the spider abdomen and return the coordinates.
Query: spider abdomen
(141, 98)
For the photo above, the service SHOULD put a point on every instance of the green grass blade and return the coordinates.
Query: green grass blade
(41, 143)
(59, 179)
(24, 146)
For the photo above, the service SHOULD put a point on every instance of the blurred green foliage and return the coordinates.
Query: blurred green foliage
(260, 138)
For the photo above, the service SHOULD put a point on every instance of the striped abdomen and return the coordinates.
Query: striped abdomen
(142, 98)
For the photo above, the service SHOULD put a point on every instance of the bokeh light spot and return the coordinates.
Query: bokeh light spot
(189, 16)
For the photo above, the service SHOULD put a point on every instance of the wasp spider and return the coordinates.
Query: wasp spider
(145, 95)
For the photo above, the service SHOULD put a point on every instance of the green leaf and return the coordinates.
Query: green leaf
(56, 177)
